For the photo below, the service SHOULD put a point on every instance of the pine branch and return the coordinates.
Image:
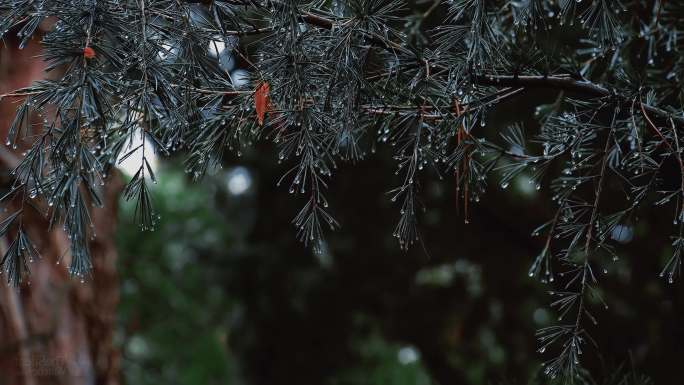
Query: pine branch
(567, 84)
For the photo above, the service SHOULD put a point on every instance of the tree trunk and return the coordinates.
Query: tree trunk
(55, 329)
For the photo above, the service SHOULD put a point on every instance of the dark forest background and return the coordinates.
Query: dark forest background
(224, 275)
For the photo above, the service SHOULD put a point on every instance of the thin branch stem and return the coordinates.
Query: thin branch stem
(567, 84)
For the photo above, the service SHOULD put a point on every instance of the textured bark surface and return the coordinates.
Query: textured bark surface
(54, 329)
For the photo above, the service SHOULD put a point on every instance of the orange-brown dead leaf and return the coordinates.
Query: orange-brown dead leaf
(88, 53)
(262, 101)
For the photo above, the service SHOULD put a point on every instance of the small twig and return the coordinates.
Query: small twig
(434, 6)
(18, 94)
(653, 126)
(219, 92)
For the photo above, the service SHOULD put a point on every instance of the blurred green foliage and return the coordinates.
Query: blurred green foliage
(175, 316)
(174, 313)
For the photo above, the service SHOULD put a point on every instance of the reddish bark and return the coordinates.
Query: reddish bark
(54, 329)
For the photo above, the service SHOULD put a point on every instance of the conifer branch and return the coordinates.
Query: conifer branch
(581, 87)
